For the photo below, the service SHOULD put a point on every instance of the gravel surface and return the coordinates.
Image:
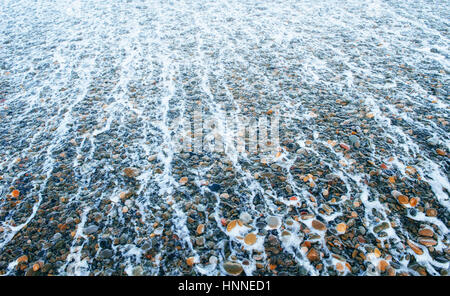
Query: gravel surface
(92, 180)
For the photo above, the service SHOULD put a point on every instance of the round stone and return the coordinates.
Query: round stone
(232, 268)
(250, 239)
(245, 217)
(273, 222)
(213, 260)
(318, 225)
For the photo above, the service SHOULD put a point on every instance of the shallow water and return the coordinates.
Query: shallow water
(88, 89)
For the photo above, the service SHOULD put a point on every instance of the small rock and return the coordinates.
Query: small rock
(414, 247)
(318, 225)
(250, 239)
(200, 241)
(200, 229)
(273, 222)
(403, 199)
(431, 212)
(313, 255)
(131, 172)
(232, 268)
(427, 242)
(36, 266)
(22, 259)
(245, 217)
(56, 237)
(138, 271)
(381, 227)
(344, 146)
(105, 253)
(426, 232)
(190, 261)
(213, 260)
(224, 195)
(354, 140)
(183, 181)
(441, 152)
(91, 229)
(341, 228)
(214, 187)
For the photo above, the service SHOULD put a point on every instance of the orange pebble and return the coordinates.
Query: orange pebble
(403, 199)
(15, 193)
(340, 267)
(36, 267)
(383, 265)
(413, 201)
(190, 261)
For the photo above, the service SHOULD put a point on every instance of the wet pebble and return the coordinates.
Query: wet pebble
(90, 229)
(232, 268)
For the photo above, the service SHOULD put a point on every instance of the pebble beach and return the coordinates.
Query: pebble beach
(92, 181)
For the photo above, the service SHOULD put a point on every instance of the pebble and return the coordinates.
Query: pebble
(15, 193)
(57, 236)
(224, 195)
(431, 212)
(214, 187)
(341, 228)
(318, 225)
(261, 225)
(362, 230)
(131, 172)
(36, 266)
(344, 146)
(183, 181)
(441, 152)
(245, 217)
(200, 229)
(354, 140)
(232, 268)
(414, 247)
(381, 227)
(273, 222)
(427, 242)
(22, 259)
(105, 253)
(213, 260)
(138, 271)
(250, 239)
(200, 241)
(313, 255)
(426, 232)
(91, 229)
